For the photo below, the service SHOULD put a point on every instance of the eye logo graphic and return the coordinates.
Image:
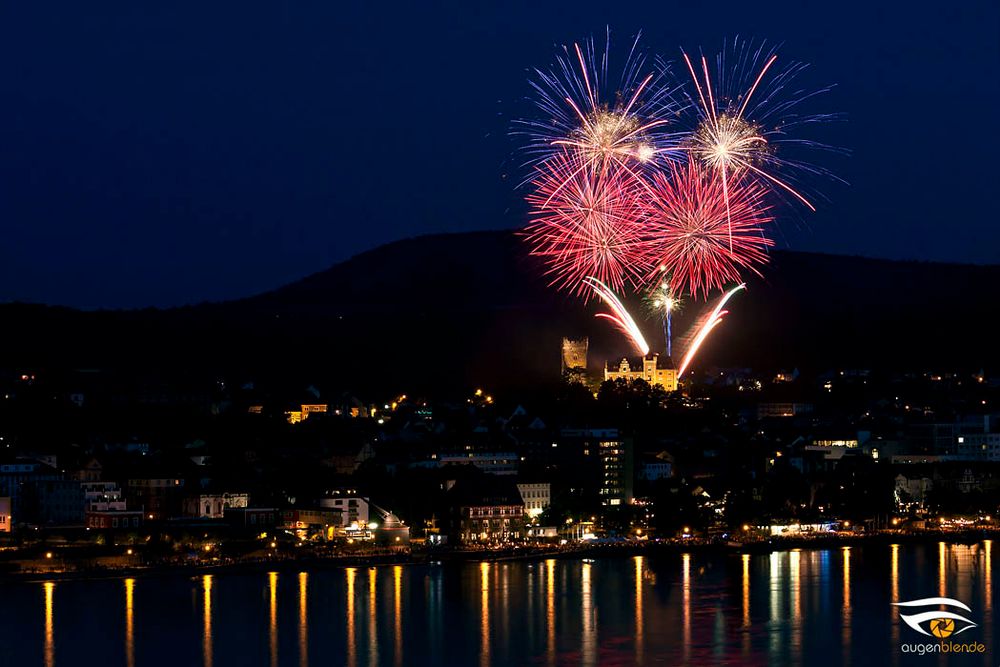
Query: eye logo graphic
(942, 623)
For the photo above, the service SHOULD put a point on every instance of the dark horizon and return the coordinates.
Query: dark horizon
(191, 153)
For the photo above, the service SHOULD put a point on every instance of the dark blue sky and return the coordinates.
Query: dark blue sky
(205, 150)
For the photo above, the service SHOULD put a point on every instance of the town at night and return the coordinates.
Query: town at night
(583, 335)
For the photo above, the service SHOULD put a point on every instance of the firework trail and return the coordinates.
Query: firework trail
(619, 315)
(587, 224)
(745, 112)
(714, 319)
(611, 123)
(698, 235)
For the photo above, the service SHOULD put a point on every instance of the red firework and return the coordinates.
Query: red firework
(586, 222)
(689, 226)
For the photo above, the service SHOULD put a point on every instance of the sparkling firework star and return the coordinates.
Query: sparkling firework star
(662, 301)
(701, 236)
(620, 126)
(587, 223)
(713, 320)
(619, 315)
(744, 115)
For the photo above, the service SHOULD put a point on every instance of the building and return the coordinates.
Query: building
(657, 467)
(158, 497)
(113, 519)
(5, 518)
(616, 468)
(354, 510)
(574, 359)
(102, 496)
(496, 463)
(252, 518)
(652, 372)
(214, 505)
(307, 522)
(486, 509)
(304, 412)
(773, 409)
(536, 496)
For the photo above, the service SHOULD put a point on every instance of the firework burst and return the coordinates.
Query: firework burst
(702, 234)
(587, 222)
(745, 114)
(612, 122)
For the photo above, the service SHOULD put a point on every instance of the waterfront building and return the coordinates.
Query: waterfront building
(486, 509)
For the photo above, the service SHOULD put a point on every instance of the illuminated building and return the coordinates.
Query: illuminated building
(486, 509)
(114, 519)
(305, 522)
(599, 459)
(651, 371)
(5, 517)
(536, 497)
(304, 412)
(354, 510)
(214, 505)
(574, 359)
(616, 468)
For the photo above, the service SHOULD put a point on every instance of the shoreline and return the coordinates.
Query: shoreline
(444, 557)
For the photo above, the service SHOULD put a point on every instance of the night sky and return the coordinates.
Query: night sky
(193, 151)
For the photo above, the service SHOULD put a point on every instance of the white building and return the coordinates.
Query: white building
(354, 510)
(536, 497)
(102, 497)
(214, 505)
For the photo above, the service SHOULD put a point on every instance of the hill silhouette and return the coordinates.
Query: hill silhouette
(458, 310)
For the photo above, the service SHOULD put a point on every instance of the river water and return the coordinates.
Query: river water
(798, 607)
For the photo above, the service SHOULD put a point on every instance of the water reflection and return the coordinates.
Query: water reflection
(638, 609)
(776, 586)
(303, 619)
(352, 649)
(397, 588)
(484, 629)
(206, 584)
(942, 567)
(796, 611)
(550, 610)
(845, 636)
(372, 627)
(746, 605)
(894, 593)
(129, 624)
(272, 585)
(589, 632)
(686, 590)
(787, 605)
(50, 646)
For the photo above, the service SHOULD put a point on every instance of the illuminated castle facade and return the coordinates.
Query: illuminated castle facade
(651, 371)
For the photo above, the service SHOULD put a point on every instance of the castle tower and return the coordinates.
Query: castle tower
(574, 358)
